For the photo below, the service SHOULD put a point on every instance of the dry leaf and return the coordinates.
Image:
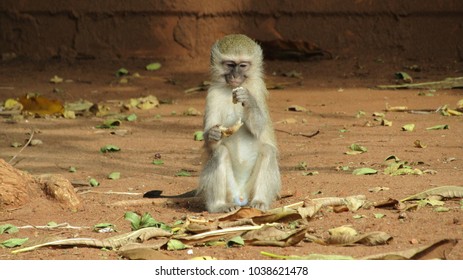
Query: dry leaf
(443, 192)
(297, 108)
(369, 239)
(40, 105)
(215, 234)
(192, 112)
(136, 251)
(343, 230)
(436, 250)
(418, 144)
(269, 235)
(111, 242)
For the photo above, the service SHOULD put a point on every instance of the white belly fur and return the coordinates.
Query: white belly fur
(243, 150)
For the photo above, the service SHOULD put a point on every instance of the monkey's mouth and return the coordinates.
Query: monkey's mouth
(234, 82)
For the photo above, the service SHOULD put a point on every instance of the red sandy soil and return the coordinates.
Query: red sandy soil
(333, 92)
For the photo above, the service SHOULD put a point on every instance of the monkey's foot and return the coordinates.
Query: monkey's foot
(226, 207)
(258, 205)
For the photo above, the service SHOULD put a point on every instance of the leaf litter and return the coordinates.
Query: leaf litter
(279, 227)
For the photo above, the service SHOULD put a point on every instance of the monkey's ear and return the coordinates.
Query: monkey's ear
(153, 194)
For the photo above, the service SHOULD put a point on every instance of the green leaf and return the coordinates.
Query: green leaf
(379, 215)
(52, 224)
(153, 66)
(148, 221)
(121, 72)
(364, 171)
(109, 148)
(438, 127)
(13, 242)
(441, 209)
(408, 127)
(144, 221)
(158, 162)
(174, 244)
(110, 123)
(134, 219)
(104, 227)
(183, 173)
(178, 222)
(114, 175)
(237, 240)
(93, 182)
(8, 228)
(72, 169)
(131, 117)
(404, 77)
(198, 136)
(357, 147)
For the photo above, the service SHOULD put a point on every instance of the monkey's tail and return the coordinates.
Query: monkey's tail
(158, 194)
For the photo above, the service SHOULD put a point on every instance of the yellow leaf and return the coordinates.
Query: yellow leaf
(12, 104)
(41, 105)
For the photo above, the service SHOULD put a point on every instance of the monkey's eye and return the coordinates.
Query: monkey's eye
(244, 66)
(230, 64)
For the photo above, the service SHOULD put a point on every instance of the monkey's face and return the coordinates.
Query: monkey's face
(235, 72)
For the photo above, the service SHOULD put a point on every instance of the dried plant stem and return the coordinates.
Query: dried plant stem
(27, 144)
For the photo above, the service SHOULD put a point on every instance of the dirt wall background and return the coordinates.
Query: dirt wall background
(105, 29)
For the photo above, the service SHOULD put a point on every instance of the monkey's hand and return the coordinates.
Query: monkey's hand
(215, 133)
(241, 95)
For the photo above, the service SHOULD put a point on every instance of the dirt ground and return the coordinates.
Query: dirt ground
(332, 91)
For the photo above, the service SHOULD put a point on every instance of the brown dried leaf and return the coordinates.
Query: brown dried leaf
(369, 239)
(297, 108)
(243, 212)
(216, 234)
(136, 251)
(269, 235)
(436, 250)
(114, 242)
(443, 192)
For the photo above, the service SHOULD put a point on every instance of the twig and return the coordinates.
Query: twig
(448, 83)
(111, 192)
(299, 133)
(63, 225)
(27, 144)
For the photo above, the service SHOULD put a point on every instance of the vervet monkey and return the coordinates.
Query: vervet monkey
(242, 167)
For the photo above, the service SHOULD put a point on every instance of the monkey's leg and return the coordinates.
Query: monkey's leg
(267, 179)
(216, 175)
